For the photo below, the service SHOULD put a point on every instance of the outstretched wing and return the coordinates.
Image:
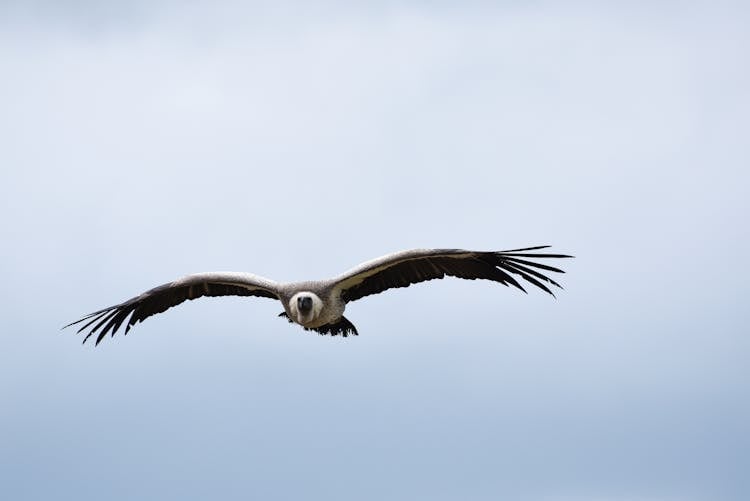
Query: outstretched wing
(165, 296)
(402, 269)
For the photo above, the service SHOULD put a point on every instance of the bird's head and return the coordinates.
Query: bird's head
(305, 307)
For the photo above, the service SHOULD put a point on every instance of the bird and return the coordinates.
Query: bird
(319, 305)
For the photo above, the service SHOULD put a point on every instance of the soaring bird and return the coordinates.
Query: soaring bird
(319, 305)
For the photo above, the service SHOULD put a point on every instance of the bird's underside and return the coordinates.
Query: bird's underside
(343, 327)
(319, 305)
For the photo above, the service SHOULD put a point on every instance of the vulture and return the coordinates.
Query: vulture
(319, 305)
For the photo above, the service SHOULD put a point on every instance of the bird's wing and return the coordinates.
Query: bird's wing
(165, 296)
(402, 269)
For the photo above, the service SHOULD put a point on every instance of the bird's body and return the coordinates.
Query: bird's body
(326, 305)
(319, 305)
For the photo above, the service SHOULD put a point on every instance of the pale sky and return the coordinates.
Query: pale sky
(142, 142)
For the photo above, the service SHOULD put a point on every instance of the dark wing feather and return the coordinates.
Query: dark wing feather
(160, 299)
(410, 267)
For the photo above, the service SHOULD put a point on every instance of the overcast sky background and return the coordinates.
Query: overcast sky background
(143, 141)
